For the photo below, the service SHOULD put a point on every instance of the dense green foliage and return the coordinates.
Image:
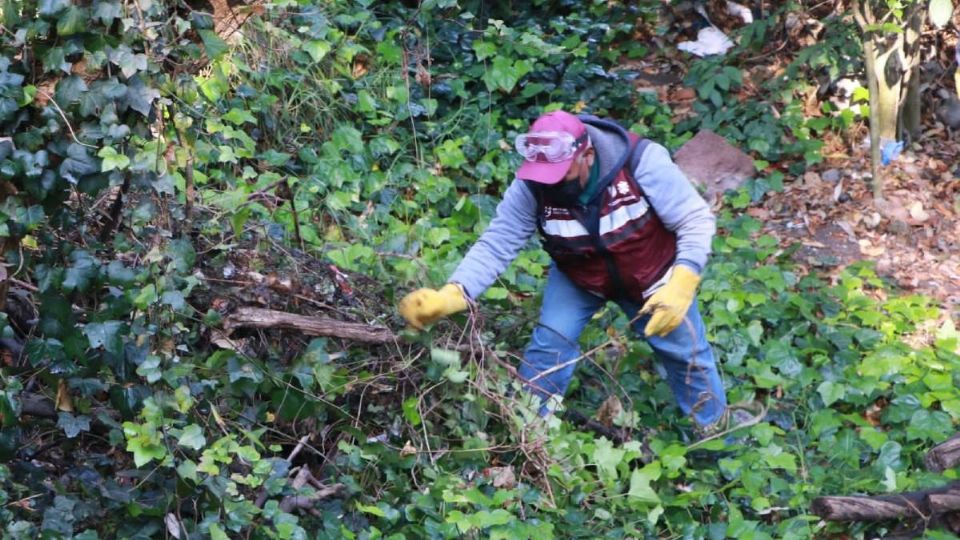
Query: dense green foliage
(391, 127)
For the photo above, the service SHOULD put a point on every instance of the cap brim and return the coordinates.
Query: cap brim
(544, 173)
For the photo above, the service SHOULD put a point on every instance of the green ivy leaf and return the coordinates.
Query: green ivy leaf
(118, 274)
(192, 437)
(456, 376)
(81, 272)
(390, 51)
(496, 293)
(59, 518)
(69, 90)
(317, 49)
(8, 416)
(947, 336)
(144, 443)
(182, 255)
(484, 49)
(755, 331)
(187, 469)
(47, 8)
(216, 533)
(105, 334)
(504, 74)
(445, 357)
(436, 236)
(146, 297)
(10, 13)
(72, 22)
(410, 411)
(174, 299)
(150, 369)
(56, 59)
(239, 116)
(73, 425)
(214, 45)
(607, 458)
(831, 392)
(140, 97)
(9, 443)
(106, 11)
(640, 490)
(111, 160)
(78, 164)
(932, 425)
(129, 62)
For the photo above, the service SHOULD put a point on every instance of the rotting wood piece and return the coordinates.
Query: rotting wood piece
(247, 317)
(944, 456)
(943, 503)
(908, 505)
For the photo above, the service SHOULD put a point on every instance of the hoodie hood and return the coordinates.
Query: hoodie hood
(611, 144)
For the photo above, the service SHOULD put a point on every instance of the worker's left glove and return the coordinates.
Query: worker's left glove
(425, 306)
(670, 303)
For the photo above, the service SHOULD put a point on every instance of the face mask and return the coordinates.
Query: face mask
(566, 193)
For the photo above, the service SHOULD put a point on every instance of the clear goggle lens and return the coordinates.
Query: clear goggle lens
(548, 146)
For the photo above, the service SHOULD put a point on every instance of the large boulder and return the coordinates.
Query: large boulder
(712, 163)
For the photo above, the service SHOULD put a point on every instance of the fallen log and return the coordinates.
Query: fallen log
(913, 504)
(247, 317)
(943, 456)
(943, 503)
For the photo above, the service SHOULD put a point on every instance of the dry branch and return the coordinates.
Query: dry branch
(618, 436)
(322, 491)
(944, 456)
(311, 326)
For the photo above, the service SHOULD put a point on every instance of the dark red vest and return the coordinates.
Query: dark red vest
(617, 247)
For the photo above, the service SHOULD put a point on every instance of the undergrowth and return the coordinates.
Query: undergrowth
(334, 156)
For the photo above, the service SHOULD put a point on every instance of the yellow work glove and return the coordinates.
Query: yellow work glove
(669, 304)
(425, 306)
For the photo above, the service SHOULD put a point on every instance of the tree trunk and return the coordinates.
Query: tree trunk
(873, 85)
(891, 59)
(910, 123)
(911, 108)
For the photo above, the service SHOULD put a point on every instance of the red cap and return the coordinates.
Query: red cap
(552, 173)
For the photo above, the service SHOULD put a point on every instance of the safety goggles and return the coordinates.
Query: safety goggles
(548, 146)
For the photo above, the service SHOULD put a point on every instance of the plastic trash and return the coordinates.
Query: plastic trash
(889, 150)
(710, 40)
(740, 10)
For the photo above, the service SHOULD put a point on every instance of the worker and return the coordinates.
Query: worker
(621, 223)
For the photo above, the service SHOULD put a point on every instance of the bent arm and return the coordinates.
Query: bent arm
(679, 206)
(513, 224)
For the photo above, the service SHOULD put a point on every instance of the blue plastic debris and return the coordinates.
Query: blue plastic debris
(889, 151)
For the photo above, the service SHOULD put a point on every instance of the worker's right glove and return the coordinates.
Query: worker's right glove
(425, 306)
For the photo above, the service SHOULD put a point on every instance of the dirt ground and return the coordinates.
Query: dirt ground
(912, 234)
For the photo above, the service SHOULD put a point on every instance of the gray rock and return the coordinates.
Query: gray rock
(711, 162)
(830, 175)
(949, 110)
(899, 227)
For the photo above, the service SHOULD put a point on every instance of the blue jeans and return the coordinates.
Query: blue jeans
(688, 360)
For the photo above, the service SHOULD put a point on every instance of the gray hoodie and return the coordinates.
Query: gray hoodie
(673, 198)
